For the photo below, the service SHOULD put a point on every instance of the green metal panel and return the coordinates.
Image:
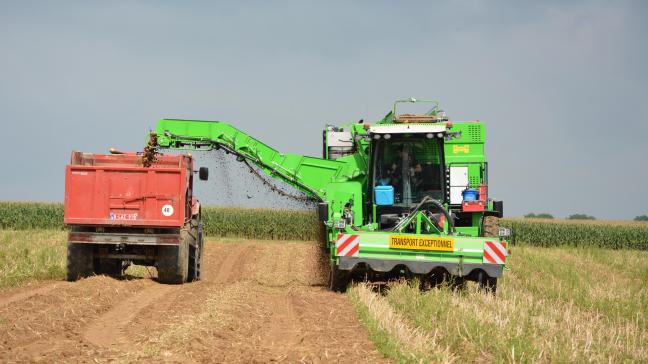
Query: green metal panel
(345, 194)
(469, 146)
(466, 249)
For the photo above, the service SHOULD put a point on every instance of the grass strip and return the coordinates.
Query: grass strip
(554, 305)
(394, 336)
(28, 255)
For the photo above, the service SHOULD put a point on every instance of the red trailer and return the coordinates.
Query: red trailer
(120, 212)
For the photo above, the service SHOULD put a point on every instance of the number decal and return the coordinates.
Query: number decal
(167, 210)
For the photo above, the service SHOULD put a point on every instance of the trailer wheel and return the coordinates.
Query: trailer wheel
(338, 279)
(173, 263)
(79, 261)
(196, 255)
(490, 226)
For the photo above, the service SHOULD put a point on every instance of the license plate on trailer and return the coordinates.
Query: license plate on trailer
(421, 243)
(123, 216)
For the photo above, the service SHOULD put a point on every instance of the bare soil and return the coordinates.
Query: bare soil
(258, 302)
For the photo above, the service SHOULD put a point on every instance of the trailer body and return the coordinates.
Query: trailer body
(120, 212)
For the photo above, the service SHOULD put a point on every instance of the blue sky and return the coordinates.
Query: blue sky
(562, 84)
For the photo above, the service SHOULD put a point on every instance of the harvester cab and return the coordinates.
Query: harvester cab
(407, 167)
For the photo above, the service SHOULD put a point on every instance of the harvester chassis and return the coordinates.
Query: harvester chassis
(366, 183)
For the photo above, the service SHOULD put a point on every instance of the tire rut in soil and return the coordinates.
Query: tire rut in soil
(110, 327)
(47, 326)
(26, 294)
(247, 308)
(224, 267)
(283, 330)
(231, 265)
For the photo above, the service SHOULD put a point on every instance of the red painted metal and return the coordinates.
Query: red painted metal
(116, 190)
(473, 206)
(476, 206)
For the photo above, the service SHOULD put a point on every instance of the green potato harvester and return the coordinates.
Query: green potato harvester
(406, 196)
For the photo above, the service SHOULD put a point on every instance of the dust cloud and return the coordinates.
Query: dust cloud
(232, 184)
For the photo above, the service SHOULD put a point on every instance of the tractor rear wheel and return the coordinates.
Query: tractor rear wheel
(490, 226)
(173, 263)
(79, 261)
(338, 279)
(196, 255)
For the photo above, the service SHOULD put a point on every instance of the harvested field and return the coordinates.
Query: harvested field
(560, 305)
(259, 301)
(265, 300)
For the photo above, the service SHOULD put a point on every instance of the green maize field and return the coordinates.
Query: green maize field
(31, 215)
(303, 225)
(217, 221)
(261, 223)
(601, 234)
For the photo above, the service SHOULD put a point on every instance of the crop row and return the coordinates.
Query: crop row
(260, 223)
(303, 225)
(548, 233)
(31, 215)
(217, 221)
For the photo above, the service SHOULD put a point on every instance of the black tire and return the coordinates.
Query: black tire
(109, 267)
(490, 226)
(196, 255)
(338, 279)
(79, 261)
(486, 283)
(173, 262)
(456, 284)
(201, 256)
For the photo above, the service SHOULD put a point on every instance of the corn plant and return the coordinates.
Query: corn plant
(612, 235)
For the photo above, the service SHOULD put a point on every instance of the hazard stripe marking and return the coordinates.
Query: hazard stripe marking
(495, 252)
(346, 242)
(488, 258)
(495, 258)
(354, 251)
(347, 245)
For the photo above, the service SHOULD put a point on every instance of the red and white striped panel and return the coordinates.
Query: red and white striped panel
(347, 245)
(495, 252)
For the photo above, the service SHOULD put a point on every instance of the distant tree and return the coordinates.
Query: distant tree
(542, 215)
(580, 217)
(641, 218)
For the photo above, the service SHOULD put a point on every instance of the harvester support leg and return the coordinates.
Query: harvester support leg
(338, 279)
(486, 284)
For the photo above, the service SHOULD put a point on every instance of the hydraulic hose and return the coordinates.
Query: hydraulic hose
(430, 200)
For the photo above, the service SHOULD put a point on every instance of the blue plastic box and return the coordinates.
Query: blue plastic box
(470, 194)
(384, 195)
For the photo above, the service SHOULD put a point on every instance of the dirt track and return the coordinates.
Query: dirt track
(258, 302)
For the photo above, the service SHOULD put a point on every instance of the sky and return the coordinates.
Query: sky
(562, 85)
